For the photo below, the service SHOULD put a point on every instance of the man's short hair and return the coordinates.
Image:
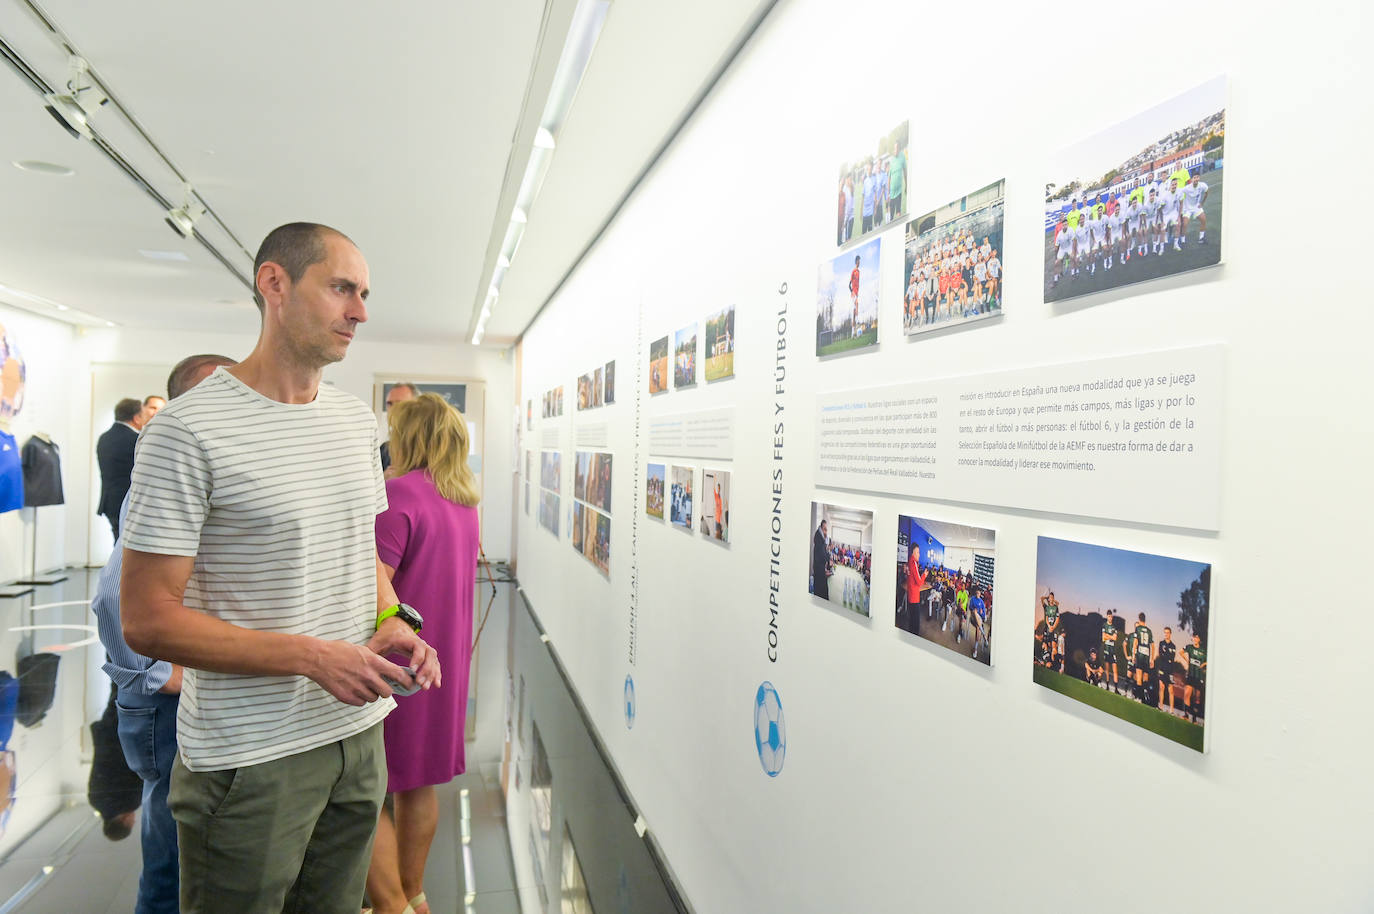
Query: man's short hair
(295, 246)
(179, 381)
(414, 391)
(150, 398)
(127, 409)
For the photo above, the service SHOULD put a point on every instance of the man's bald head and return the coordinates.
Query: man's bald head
(193, 369)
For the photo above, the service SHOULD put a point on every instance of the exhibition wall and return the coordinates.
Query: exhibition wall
(62, 362)
(900, 775)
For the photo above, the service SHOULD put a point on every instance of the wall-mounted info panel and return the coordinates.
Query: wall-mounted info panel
(1134, 438)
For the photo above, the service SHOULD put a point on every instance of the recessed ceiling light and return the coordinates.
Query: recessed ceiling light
(164, 255)
(109, 323)
(45, 168)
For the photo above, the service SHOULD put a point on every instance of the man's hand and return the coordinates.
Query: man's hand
(173, 684)
(353, 673)
(395, 637)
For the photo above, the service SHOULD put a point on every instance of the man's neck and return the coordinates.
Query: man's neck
(129, 425)
(278, 377)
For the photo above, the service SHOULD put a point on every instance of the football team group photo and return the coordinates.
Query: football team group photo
(1139, 201)
(1125, 632)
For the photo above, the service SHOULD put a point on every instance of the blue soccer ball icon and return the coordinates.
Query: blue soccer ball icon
(770, 730)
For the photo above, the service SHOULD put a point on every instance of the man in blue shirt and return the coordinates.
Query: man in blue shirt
(870, 196)
(147, 695)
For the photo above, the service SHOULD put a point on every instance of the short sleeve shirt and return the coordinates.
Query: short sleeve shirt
(277, 502)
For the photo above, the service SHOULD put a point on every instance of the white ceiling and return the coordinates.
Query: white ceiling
(392, 122)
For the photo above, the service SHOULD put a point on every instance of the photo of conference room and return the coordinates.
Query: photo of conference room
(944, 584)
(841, 562)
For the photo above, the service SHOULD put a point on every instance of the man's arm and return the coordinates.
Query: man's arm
(157, 623)
(395, 637)
(125, 667)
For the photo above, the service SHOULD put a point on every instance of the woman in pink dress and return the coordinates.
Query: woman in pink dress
(427, 540)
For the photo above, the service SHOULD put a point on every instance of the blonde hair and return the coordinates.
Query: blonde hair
(428, 433)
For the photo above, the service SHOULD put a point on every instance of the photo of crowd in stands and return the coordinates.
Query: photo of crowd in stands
(653, 490)
(715, 508)
(944, 584)
(719, 340)
(847, 300)
(1139, 201)
(873, 188)
(680, 497)
(592, 479)
(658, 366)
(954, 262)
(841, 559)
(610, 382)
(1125, 632)
(685, 357)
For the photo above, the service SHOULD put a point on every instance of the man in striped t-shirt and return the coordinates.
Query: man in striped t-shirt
(250, 559)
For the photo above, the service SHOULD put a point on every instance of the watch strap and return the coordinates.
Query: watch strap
(387, 613)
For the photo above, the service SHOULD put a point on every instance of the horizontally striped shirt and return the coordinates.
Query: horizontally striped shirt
(277, 502)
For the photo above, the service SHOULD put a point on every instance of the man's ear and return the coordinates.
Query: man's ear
(272, 283)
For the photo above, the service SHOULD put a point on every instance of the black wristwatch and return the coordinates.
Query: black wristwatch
(406, 613)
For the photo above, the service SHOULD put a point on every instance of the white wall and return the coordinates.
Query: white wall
(913, 782)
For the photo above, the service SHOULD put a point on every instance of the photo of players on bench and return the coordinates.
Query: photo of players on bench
(1125, 632)
(953, 262)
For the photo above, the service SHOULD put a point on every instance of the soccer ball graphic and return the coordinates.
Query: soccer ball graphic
(629, 702)
(770, 731)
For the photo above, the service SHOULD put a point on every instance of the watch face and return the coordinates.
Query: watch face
(409, 616)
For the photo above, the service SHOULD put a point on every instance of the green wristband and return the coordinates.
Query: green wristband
(387, 614)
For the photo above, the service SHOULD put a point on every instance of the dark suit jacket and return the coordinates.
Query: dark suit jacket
(820, 561)
(114, 452)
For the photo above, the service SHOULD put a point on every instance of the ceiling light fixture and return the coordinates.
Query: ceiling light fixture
(587, 22)
(584, 30)
(165, 255)
(45, 168)
(182, 219)
(73, 108)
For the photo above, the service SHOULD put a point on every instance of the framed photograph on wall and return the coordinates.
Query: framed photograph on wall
(658, 366)
(873, 187)
(685, 357)
(720, 344)
(953, 266)
(840, 567)
(944, 584)
(847, 298)
(655, 475)
(680, 497)
(715, 504)
(1125, 632)
(1140, 200)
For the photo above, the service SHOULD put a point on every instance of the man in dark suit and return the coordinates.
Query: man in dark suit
(820, 563)
(398, 392)
(114, 452)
